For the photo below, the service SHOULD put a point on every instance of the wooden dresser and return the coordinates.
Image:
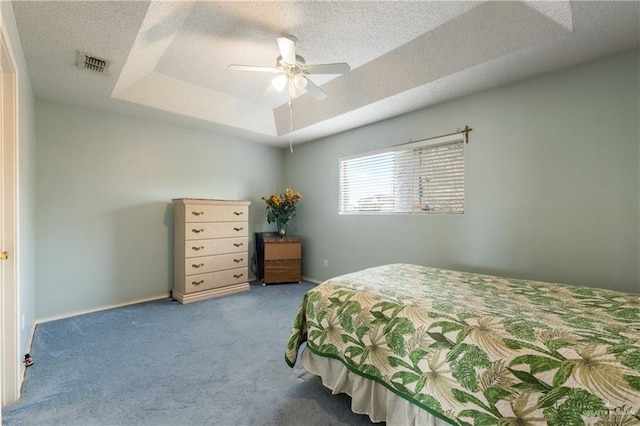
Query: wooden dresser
(210, 248)
(282, 260)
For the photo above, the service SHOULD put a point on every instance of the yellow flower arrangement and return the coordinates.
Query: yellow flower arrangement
(282, 208)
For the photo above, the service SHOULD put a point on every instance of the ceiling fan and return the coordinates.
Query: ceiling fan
(293, 70)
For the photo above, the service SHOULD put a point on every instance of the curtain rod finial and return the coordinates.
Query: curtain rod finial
(466, 131)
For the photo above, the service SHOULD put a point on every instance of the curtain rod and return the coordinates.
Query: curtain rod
(465, 131)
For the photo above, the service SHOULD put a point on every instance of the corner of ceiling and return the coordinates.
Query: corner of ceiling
(139, 82)
(557, 11)
(432, 58)
(159, 27)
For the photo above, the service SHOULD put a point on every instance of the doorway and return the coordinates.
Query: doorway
(10, 366)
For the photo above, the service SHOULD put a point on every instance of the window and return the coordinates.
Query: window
(420, 177)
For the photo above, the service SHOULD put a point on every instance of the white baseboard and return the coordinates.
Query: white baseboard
(102, 308)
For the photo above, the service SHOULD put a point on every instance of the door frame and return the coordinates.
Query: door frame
(10, 366)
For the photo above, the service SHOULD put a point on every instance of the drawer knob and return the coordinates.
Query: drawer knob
(238, 244)
(197, 283)
(238, 229)
(197, 248)
(197, 265)
(197, 231)
(197, 213)
(237, 275)
(238, 260)
(238, 213)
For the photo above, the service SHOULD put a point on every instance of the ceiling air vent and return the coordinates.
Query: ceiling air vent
(91, 63)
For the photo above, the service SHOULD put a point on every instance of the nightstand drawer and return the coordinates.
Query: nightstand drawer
(207, 230)
(201, 265)
(211, 280)
(282, 271)
(203, 213)
(282, 251)
(199, 248)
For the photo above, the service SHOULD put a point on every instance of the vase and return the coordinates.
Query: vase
(282, 229)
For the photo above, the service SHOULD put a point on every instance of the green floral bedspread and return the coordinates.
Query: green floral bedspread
(481, 350)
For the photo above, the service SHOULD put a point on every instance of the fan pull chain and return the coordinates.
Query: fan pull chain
(291, 125)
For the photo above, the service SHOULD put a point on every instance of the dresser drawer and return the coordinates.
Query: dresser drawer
(202, 213)
(206, 230)
(201, 265)
(199, 248)
(195, 283)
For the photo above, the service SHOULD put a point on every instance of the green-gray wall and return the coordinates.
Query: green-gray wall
(552, 184)
(104, 185)
(552, 191)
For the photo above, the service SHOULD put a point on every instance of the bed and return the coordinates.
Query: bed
(420, 345)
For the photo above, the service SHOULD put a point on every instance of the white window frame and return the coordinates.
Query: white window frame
(391, 181)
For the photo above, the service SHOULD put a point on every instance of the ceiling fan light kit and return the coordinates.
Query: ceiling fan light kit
(293, 71)
(300, 81)
(279, 82)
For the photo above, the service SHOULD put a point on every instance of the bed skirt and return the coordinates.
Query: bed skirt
(367, 397)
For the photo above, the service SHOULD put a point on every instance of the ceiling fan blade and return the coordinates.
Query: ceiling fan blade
(337, 68)
(315, 91)
(253, 68)
(287, 46)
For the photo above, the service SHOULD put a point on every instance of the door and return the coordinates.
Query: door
(9, 352)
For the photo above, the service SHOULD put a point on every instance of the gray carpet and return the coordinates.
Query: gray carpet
(219, 361)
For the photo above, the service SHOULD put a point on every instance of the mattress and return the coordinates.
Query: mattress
(476, 349)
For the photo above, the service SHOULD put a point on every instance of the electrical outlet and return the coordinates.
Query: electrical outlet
(325, 263)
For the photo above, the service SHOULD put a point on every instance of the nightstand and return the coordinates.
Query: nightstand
(282, 260)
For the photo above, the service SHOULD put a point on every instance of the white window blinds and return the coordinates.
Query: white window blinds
(420, 177)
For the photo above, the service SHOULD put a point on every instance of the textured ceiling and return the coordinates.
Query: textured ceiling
(170, 59)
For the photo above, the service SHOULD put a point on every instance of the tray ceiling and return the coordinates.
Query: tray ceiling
(169, 60)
